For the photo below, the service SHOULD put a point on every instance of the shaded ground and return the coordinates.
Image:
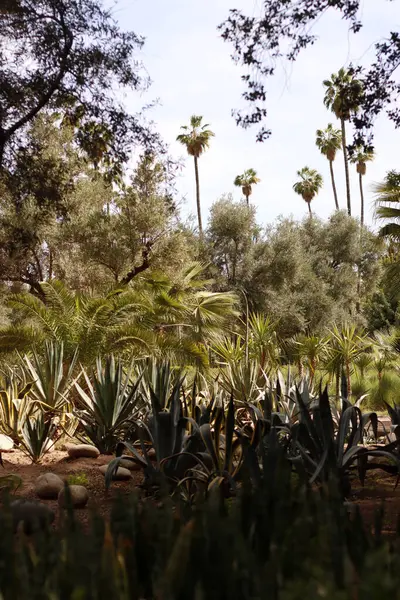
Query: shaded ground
(380, 487)
(379, 490)
(58, 462)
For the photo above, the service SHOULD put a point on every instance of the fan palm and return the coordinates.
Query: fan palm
(387, 205)
(196, 138)
(309, 185)
(360, 159)
(159, 318)
(387, 210)
(343, 96)
(246, 181)
(329, 141)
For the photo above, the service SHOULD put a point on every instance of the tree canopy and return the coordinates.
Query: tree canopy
(281, 30)
(69, 56)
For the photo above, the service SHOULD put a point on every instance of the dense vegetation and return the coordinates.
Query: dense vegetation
(254, 360)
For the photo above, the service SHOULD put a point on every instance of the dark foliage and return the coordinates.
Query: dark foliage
(282, 31)
(69, 56)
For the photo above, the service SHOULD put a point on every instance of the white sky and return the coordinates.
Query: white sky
(192, 73)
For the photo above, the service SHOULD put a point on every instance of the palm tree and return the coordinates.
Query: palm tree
(342, 97)
(329, 141)
(196, 138)
(309, 185)
(246, 181)
(387, 205)
(387, 210)
(360, 159)
(344, 346)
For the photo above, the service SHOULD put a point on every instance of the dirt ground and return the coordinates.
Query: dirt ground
(380, 487)
(59, 462)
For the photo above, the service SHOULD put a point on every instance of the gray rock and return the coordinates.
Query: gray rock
(79, 496)
(130, 465)
(48, 486)
(83, 451)
(6, 443)
(122, 474)
(33, 515)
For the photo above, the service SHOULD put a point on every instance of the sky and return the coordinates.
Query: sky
(192, 73)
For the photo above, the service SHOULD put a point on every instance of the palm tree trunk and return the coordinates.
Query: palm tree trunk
(334, 184)
(346, 166)
(309, 208)
(196, 171)
(360, 179)
(349, 390)
(247, 200)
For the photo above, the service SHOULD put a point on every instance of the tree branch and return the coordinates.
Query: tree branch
(142, 267)
(68, 41)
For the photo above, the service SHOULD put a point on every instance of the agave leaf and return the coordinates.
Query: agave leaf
(205, 431)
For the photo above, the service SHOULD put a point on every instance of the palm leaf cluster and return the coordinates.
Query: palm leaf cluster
(158, 318)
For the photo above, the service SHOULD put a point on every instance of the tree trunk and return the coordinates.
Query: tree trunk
(309, 208)
(247, 200)
(334, 185)
(234, 263)
(349, 390)
(196, 171)
(346, 166)
(337, 384)
(360, 179)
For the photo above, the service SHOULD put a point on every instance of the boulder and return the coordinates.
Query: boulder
(121, 474)
(79, 496)
(48, 486)
(6, 443)
(33, 515)
(83, 451)
(130, 465)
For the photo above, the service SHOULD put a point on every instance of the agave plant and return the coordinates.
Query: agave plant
(323, 451)
(109, 403)
(16, 406)
(52, 376)
(39, 434)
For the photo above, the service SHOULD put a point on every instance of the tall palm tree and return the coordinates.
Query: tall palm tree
(360, 159)
(246, 181)
(309, 185)
(196, 137)
(329, 141)
(343, 96)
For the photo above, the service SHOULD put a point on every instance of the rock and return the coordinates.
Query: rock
(48, 486)
(79, 496)
(6, 443)
(83, 451)
(122, 474)
(130, 465)
(34, 515)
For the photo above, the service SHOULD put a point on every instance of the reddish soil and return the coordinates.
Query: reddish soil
(380, 487)
(379, 490)
(58, 462)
